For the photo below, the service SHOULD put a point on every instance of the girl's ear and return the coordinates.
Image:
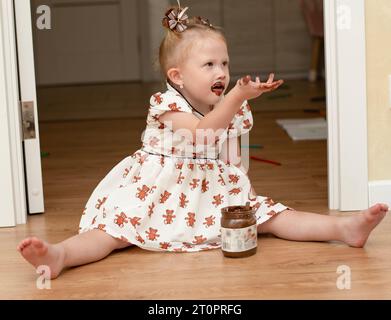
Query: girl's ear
(174, 75)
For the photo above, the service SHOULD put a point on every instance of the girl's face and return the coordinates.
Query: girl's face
(205, 72)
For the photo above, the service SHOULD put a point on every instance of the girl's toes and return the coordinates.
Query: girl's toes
(37, 243)
(25, 243)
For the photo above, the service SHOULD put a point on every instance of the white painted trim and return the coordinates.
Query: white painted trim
(379, 192)
(12, 189)
(332, 103)
(15, 116)
(32, 153)
(346, 104)
(352, 107)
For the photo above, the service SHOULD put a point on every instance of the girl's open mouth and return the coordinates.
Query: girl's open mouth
(218, 88)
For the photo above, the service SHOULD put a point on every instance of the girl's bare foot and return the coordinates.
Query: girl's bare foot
(38, 252)
(356, 229)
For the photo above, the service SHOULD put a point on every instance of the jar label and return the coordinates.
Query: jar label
(239, 240)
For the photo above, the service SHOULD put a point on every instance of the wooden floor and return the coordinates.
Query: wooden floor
(82, 152)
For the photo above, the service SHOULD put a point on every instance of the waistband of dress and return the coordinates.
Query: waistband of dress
(172, 156)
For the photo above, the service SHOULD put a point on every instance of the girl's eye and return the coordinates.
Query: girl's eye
(209, 64)
(225, 63)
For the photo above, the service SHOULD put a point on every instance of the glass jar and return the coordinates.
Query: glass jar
(238, 231)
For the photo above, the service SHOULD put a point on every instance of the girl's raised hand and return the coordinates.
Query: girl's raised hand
(253, 89)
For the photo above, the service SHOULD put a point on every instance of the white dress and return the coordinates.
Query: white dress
(168, 195)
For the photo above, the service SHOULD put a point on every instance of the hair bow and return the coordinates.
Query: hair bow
(176, 19)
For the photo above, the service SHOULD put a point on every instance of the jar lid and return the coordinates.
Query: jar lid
(238, 211)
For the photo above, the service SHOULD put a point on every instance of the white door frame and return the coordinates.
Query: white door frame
(346, 110)
(346, 104)
(13, 208)
(27, 89)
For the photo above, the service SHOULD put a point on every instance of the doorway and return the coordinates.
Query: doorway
(334, 54)
(71, 107)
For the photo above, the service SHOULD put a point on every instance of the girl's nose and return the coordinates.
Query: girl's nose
(222, 75)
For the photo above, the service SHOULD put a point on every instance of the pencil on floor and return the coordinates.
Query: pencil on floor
(265, 160)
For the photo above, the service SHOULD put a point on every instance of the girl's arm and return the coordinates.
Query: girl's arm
(205, 130)
(220, 117)
(245, 89)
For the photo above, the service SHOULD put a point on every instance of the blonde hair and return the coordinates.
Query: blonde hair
(175, 45)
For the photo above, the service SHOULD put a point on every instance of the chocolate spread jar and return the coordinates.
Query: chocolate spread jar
(238, 231)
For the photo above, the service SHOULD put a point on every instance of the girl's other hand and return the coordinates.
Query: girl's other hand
(253, 89)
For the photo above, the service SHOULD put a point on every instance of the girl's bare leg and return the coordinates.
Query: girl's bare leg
(80, 249)
(304, 226)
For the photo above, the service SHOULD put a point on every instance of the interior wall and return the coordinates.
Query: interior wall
(152, 25)
(263, 35)
(378, 31)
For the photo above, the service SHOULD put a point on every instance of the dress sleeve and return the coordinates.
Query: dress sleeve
(168, 101)
(163, 102)
(242, 122)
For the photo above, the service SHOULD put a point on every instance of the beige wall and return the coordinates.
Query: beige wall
(378, 35)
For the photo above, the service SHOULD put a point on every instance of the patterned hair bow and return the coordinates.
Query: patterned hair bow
(176, 19)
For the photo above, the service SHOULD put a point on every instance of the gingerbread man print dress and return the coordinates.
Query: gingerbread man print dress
(168, 195)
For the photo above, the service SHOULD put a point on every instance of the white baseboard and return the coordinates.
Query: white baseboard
(379, 191)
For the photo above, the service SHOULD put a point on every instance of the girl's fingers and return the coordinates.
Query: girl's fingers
(271, 78)
(270, 86)
(279, 83)
(257, 84)
(264, 86)
(276, 86)
(245, 80)
(267, 84)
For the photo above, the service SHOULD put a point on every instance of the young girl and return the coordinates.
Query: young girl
(168, 195)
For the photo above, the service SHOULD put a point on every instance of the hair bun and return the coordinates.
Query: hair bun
(203, 21)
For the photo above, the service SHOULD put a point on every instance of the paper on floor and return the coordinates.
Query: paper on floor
(305, 129)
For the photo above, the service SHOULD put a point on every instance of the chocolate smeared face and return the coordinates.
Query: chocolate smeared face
(205, 72)
(218, 88)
